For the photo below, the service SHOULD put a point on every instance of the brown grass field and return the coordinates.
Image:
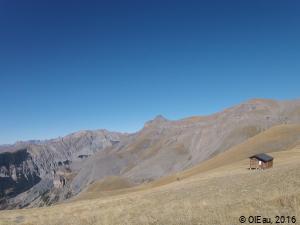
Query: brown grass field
(217, 192)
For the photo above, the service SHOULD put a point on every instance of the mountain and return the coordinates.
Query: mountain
(44, 172)
(35, 173)
(277, 140)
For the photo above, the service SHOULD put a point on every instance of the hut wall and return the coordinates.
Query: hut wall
(254, 164)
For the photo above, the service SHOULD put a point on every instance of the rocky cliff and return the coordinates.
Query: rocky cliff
(40, 172)
(18, 173)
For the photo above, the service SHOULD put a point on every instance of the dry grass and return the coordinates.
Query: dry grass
(217, 196)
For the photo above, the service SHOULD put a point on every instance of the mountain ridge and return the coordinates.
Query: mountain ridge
(67, 165)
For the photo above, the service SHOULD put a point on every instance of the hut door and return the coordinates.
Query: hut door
(260, 164)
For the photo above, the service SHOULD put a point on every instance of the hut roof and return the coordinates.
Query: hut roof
(263, 157)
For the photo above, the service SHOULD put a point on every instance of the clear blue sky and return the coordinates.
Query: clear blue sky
(72, 65)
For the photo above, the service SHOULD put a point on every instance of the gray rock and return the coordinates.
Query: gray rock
(40, 173)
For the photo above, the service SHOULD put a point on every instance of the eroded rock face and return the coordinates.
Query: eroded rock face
(18, 173)
(39, 173)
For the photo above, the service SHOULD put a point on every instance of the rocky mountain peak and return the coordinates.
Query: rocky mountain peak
(158, 120)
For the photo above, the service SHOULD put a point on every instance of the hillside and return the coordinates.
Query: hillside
(275, 139)
(202, 195)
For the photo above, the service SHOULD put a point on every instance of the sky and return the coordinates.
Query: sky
(73, 65)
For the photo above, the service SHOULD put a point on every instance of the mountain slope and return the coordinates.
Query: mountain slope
(277, 138)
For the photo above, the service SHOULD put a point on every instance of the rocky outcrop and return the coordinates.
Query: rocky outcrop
(18, 173)
(40, 173)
